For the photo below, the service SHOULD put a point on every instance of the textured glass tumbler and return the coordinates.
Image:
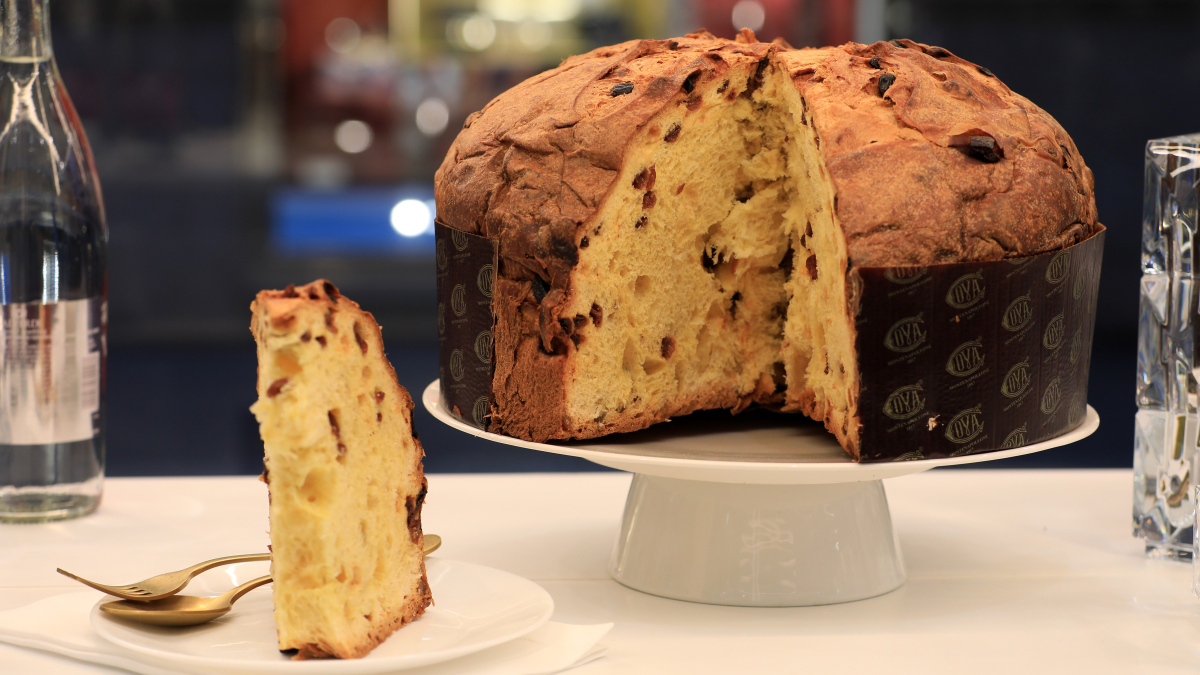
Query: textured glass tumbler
(1196, 555)
(1167, 425)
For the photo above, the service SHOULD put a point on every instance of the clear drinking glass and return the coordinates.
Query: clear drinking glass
(53, 285)
(1167, 424)
(1196, 555)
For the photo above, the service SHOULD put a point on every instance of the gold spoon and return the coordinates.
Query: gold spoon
(181, 610)
(189, 610)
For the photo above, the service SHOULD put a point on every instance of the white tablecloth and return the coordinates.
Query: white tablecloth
(1009, 571)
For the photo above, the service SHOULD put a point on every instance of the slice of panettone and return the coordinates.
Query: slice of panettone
(344, 473)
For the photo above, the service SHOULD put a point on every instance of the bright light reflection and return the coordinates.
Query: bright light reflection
(478, 32)
(749, 14)
(411, 217)
(432, 116)
(342, 35)
(353, 136)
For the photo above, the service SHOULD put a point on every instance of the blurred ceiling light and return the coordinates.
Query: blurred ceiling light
(534, 35)
(538, 10)
(342, 35)
(411, 217)
(478, 32)
(353, 136)
(749, 14)
(432, 116)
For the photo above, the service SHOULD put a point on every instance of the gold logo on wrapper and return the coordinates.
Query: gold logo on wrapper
(966, 359)
(1052, 396)
(1017, 380)
(1014, 439)
(905, 335)
(460, 239)
(484, 280)
(966, 425)
(1018, 314)
(966, 291)
(1076, 346)
(479, 411)
(483, 346)
(1060, 266)
(1053, 336)
(904, 403)
(443, 258)
(903, 275)
(458, 299)
(456, 365)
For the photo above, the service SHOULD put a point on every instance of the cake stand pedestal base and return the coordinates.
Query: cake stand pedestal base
(757, 545)
(755, 510)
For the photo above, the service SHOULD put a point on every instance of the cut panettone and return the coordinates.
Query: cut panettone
(344, 473)
(678, 223)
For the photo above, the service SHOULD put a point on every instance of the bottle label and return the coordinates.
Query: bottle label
(50, 371)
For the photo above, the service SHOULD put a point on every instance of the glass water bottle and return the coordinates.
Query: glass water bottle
(53, 284)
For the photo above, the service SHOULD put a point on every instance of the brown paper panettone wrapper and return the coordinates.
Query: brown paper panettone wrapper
(466, 266)
(955, 359)
(969, 357)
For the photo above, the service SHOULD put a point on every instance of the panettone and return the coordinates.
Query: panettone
(344, 473)
(679, 222)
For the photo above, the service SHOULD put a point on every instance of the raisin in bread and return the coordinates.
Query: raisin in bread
(678, 222)
(344, 471)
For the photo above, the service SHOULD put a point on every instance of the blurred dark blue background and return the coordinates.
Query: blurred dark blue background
(208, 118)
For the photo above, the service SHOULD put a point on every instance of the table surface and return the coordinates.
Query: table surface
(1009, 571)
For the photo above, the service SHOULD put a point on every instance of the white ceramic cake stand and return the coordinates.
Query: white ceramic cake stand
(758, 511)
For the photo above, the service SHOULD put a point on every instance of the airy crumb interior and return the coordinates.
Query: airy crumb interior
(714, 273)
(340, 461)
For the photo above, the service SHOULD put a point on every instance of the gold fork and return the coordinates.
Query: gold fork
(171, 583)
(187, 610)
(166, 584)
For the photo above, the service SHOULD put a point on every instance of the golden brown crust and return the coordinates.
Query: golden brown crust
(528, 381)
(910, 188)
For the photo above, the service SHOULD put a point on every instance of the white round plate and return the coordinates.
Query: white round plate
(476, 607)
(755, 447)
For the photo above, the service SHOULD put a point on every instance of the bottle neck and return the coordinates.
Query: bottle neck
(25, 30)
